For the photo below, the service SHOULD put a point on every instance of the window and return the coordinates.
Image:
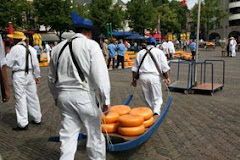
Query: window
(234, 23)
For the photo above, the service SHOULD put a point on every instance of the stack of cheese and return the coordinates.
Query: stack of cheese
(110, 121)
(126, 121)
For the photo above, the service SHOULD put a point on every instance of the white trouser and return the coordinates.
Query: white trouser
(152, 91)
(25, 92)
(48, 56)
(79, 109)
(233, 52)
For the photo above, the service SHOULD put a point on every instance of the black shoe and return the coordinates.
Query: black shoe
(33, 122)
(20, 128)
(155, 114)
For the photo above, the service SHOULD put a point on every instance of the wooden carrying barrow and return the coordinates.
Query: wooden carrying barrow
(129, 142)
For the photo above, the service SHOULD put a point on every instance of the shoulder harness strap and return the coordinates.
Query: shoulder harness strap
(27, 59)
(69, 42)
(147, 51)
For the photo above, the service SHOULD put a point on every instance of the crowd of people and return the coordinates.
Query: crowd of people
(229, 47)
(80, 85)
(79, 81)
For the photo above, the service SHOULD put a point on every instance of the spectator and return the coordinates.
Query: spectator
(112, 50)
(121, 51)
(193, 47)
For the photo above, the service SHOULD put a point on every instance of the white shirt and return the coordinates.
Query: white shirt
(47, 48)
(233, 43)
(165, 47)
(148, 65)
(171, 47)
(90, 59)
(16, 59)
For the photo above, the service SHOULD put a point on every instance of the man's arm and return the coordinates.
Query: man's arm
(167, 78)
(52, 77)
(134, 80)
(100, 77)
(6, 85)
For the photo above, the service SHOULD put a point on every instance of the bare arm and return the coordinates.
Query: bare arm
(5, 82)
(134, 80)
(167, 78)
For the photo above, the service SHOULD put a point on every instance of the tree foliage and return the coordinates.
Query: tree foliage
(159, 2)
(142, 15)
(181, 12)
(169, 18)
(14, 11)
(56, 14)
(102, 12)
(211, 13)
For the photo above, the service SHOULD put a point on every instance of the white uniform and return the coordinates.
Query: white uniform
(171, 47)
(150, 77)
(232, 46)
(48, 50)
(24, 85)
(165, 48)
(76, 99)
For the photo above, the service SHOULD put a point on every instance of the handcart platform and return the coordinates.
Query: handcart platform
(208, 86)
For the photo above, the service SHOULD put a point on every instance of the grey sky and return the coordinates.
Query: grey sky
(190, 3)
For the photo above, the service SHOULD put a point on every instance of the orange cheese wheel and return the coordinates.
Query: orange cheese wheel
(148, 122)
(111, 117)
(120, 109)
(129, 120)
(131, 131)
(110, 128)
(142, 111)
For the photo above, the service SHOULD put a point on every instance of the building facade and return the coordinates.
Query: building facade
(229, 26)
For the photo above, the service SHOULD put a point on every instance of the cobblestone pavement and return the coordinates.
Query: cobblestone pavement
(198, 126)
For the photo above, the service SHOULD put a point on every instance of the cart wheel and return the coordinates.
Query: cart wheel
(186, 92)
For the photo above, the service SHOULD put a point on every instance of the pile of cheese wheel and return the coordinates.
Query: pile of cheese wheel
(126, 121)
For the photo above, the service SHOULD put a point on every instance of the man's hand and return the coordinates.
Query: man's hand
(168, 81)
(37, 80)
(7, 94)
(105, 109)
(134, 83)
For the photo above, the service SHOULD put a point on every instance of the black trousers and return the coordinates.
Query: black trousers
(38, 56)
(113, 62)
(120, 59)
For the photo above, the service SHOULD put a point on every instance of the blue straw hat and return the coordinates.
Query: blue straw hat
(79, 22)
(152, 41)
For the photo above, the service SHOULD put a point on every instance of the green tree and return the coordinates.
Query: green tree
(181, 12)
(142, 15)
(14, 11)
(211, 13)
(117, 17)
(102, 12)
(82, 10)
(159, 2)
(56, 14)
(169, 18)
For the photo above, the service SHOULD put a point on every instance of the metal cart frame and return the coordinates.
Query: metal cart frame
(205, 86)
(180, 85)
